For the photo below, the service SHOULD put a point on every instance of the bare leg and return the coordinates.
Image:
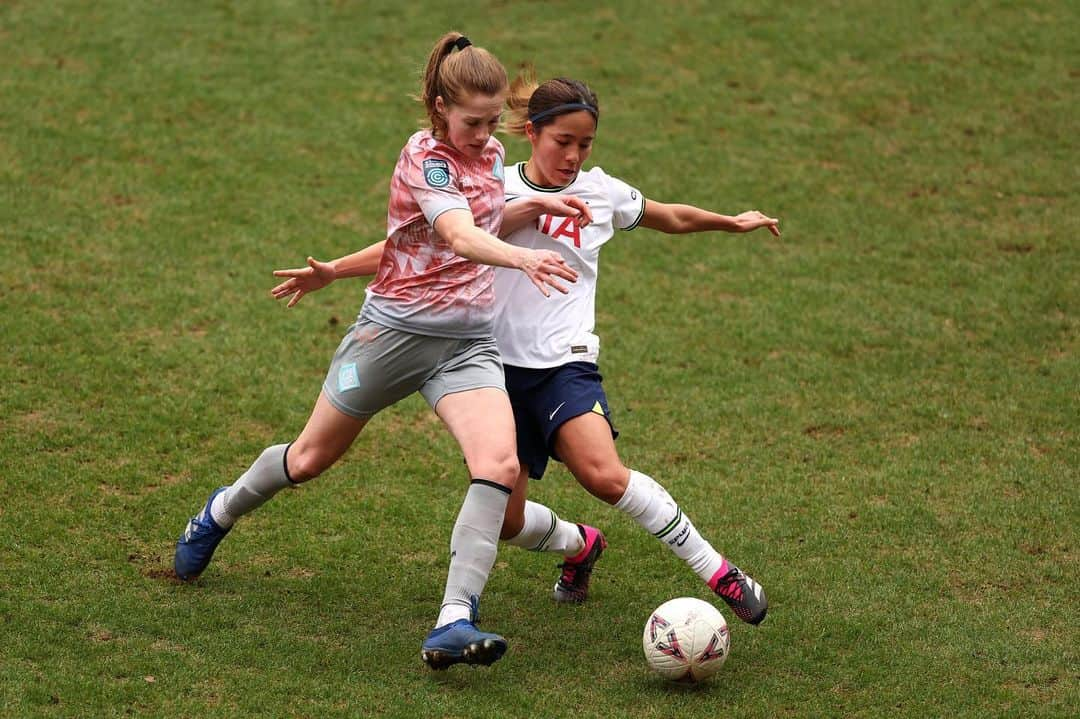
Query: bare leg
(327, 435)
(585, 445)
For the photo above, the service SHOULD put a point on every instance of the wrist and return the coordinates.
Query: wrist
(536, 207)
(520, 257)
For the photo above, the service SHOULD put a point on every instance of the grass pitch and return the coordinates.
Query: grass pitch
(876, 416)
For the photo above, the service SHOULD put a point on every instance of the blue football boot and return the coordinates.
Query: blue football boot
(461, 642)
(197, 544)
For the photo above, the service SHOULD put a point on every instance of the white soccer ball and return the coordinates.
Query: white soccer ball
(686, 640)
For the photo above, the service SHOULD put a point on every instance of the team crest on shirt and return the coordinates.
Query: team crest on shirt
(437, 172)
(497, 170)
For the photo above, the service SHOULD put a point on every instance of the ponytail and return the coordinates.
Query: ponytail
(517, 102)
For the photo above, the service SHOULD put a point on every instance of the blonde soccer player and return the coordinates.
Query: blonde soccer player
(425, 326)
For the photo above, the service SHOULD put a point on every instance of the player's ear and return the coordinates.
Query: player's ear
(440, 105)
(530, 131)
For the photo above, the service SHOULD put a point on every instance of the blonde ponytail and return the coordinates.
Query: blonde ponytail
(517, 102)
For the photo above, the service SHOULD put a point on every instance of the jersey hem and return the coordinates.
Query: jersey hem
(374, 314)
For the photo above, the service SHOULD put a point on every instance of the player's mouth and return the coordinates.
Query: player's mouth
(567, 174)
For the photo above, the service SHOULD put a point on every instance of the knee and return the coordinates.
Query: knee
(604, 480)
(500, 468)
(306, 462)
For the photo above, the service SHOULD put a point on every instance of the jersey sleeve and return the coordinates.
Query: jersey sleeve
(627, 202)
(432, 180)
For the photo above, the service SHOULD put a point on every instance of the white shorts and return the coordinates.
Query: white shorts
(376, 366)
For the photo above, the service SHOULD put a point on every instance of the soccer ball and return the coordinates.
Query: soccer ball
(686, 640)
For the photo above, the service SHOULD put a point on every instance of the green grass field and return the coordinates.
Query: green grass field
(877, 415)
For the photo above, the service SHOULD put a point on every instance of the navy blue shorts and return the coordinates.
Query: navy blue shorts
(543, 399)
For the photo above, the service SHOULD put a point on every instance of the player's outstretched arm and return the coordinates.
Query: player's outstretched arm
(680, 219)
(305, 280)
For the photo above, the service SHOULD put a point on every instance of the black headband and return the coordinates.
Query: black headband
(462, 42)
(561, 109)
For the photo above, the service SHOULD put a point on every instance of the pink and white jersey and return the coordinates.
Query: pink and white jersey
(540, 332)
(421, 285)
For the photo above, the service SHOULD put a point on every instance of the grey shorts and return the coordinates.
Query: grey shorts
(376, 366)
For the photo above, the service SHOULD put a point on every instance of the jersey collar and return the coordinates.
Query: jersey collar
(540, 188)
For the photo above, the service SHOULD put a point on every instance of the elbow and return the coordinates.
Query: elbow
(460, 242)
(677, 226)
(675, 223)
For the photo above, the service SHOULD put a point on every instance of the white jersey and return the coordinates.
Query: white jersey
(537, 332)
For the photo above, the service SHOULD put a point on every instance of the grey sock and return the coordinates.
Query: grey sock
(263, 479)
(473, 544)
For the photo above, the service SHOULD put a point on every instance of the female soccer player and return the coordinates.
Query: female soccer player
(550, 353)
(425, 326)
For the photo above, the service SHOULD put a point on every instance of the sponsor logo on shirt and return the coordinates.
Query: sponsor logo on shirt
(556, 227)
(437, 172)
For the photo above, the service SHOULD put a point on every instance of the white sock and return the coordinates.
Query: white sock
(545, 532)
(653, 508)
(473, 545)
(264, 478)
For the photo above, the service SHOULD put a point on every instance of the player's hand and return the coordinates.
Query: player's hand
(567, 206)
(752, 219)
(303, 281)
(545, 267)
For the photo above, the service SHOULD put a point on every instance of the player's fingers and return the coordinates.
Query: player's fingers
(584, 211)
(558, 285)
(554, 259)
(564, 271)
(295, 299)
(540, 285)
